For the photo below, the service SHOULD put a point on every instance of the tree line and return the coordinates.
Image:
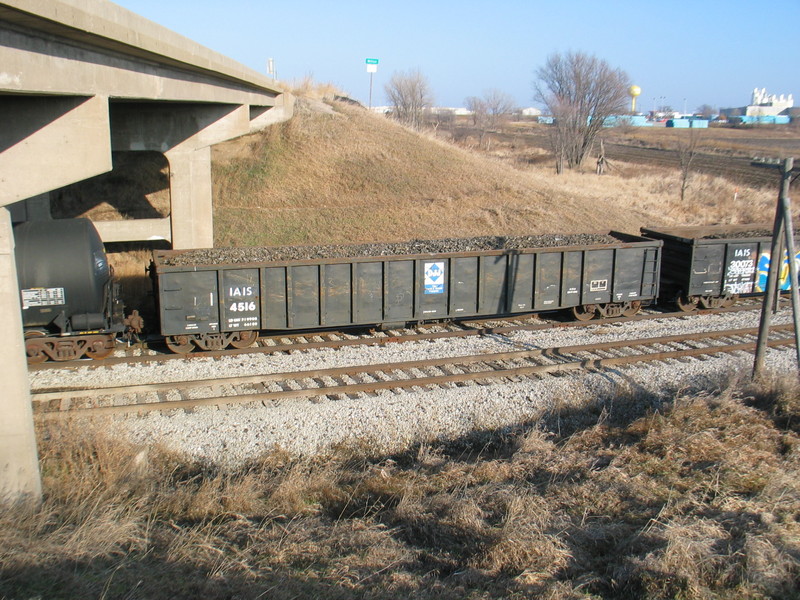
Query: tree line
(579, 90)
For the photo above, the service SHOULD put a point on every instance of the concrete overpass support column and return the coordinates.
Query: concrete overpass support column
(20, 480)
(184, 133)
(190, 193)
(50, 142)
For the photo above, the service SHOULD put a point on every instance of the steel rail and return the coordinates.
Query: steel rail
(378, 340)
(404, 367)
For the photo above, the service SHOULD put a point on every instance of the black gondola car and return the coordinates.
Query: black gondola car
(213, 302)
(710, 266)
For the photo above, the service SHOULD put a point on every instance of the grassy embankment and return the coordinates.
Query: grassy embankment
(344, 175)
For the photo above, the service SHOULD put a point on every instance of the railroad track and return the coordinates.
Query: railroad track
(736, 169)
(358, 380)
(336, 339)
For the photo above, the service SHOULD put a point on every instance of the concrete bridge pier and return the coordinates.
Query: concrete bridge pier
(19, 466)
(184, 133)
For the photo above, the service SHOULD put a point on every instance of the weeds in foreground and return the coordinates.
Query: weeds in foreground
(698, 498)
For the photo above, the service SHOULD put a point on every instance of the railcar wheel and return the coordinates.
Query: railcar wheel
(245, 339)
(35, 348)
(687, 303)
(730, 301)
(584, 312)
(631, 308)
(179, 344)
(99, 348)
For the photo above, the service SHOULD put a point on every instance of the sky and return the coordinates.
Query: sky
(682, 55)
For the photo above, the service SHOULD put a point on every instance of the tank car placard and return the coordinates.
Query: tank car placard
(241, 300)
(43, 297)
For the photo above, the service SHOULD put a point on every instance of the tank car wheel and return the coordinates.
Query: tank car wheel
(687, 303)
(631, 308)
(179, 344)
(584, 312)
(245, 339)
(35, 349)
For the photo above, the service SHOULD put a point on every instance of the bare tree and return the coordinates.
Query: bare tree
(410, 95)
(580, 91)
(706, 111)
(687, 151)
(498, 106)
(477, 106)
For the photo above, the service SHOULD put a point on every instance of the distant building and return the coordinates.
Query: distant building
(762, 105)
(531, 112)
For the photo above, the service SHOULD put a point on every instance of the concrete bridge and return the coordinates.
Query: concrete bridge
(78, 80)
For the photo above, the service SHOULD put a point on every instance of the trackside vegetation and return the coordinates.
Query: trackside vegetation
(695, 496)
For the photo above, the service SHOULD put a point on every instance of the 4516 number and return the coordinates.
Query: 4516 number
(242, 307)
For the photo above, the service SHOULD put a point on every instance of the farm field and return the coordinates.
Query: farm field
(721, 151)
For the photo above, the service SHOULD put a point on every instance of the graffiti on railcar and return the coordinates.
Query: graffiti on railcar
(784, 280)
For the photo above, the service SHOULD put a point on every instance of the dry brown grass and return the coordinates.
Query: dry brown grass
(625, 497)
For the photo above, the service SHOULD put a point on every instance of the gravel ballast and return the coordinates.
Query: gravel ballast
(392, 421)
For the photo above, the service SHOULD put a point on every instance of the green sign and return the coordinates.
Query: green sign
(372, 61)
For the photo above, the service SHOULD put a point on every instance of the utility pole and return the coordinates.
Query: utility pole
(782, 235)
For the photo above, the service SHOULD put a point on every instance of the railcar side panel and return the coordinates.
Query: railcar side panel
(493, 285)
(597, 276)
(706, 269)
(739, 268)
(629, 269)
(303, 296)
(336, 298)
(520, 277)
(547, 281)
(274, 307)
(463, 293)
(189, 302)
(431, 288)
(399, 299)
(241, 305)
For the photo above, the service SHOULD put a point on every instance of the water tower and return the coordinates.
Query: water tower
(633, 92)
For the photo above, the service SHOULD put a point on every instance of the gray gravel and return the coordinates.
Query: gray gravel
(391, 422)
(212, 256)
(735, 235)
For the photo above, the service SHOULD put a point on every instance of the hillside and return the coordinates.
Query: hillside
(337, 173)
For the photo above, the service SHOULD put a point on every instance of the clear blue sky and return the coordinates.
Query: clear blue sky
(688, 53)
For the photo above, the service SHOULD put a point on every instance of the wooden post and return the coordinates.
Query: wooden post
(788, 228)
(783, 230)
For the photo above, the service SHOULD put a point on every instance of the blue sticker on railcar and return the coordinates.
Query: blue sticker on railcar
(434, 277)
